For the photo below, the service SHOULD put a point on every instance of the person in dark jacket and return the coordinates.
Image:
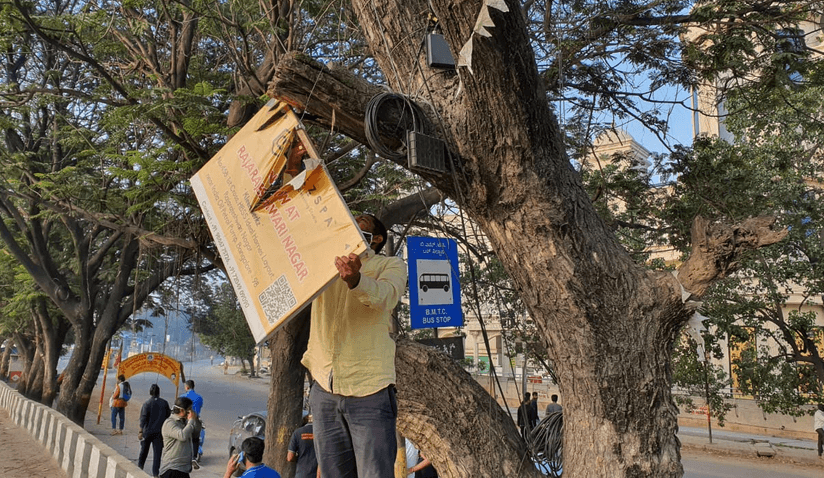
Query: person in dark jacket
(155, 411)
(525, 416)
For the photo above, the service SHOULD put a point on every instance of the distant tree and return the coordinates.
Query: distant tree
(700, 378)
(767, 308)
(224, 328)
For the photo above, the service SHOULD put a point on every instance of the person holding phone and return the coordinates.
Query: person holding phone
(251, 456)
(177, 431)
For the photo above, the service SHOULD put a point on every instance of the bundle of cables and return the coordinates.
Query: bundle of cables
(546, 444)
(397, 115)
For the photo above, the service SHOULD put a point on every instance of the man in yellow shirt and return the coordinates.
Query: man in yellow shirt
(351, 357)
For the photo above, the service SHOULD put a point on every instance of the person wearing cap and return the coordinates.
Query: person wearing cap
(177, 430)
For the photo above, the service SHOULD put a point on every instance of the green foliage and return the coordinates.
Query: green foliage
(625, 199)
(499, 300)
(775, 167)
(700, 380)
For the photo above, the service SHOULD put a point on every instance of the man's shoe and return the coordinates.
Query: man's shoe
(195, 465)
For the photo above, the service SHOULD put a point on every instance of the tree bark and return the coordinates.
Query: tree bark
(286, 390)
(25, 351)
(53, 332)
(609, 323)
(84, 366)
(5, 358)
(453, 420)
(34, 387)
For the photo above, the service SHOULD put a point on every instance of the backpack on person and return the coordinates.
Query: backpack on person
(126, 391)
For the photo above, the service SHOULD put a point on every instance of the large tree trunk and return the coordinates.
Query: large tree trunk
(84, 366)
(453, 420)
(5, 358)
(609, 323)
(68, 402)
(53, 332)
(34, 386)
(25, 351)
(286, 391)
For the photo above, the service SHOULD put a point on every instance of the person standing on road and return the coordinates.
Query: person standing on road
(197, 406)
(525, 416)
(154, 412)
(818, 425)
(251, 455)
(352, 359)
(553, 407)
(302, 451)
(534, 404)
(177, 431)
(118, 405)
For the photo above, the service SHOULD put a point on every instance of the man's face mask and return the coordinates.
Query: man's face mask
(368, 237)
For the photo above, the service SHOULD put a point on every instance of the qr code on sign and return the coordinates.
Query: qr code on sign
(277, 299)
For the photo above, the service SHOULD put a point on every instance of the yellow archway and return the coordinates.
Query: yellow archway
(148, 362)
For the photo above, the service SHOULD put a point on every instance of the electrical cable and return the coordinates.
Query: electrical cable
(546, 443)
(373, 110)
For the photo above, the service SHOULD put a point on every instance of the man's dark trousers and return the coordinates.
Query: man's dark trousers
(155, 440)
(355, 430)
(174, 474)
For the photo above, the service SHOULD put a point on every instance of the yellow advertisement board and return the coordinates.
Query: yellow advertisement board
(278, 230)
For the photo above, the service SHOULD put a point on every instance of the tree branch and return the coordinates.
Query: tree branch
(716, 248)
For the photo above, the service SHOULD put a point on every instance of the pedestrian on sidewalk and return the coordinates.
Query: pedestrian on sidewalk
(154, 412)
(118, 404)
(177, 431)
(818, 425)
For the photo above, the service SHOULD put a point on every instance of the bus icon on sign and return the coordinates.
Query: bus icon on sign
(433, 281)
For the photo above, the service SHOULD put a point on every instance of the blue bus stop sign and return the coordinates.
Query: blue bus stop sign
(434, 288)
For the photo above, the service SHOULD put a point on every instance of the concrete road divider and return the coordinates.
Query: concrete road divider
(77, 451)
